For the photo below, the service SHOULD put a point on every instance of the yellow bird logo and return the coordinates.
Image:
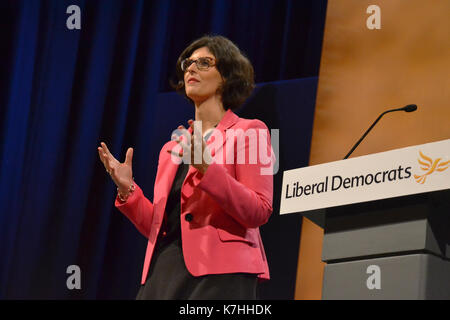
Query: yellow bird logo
(429, 166)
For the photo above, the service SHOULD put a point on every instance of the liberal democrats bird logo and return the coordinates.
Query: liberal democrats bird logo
(429, 166)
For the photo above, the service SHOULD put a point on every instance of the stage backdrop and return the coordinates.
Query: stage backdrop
(376, 55)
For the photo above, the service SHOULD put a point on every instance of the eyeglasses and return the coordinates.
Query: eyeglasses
(203, 63)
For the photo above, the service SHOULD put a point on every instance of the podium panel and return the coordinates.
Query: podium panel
(419, 223)
(407, 277)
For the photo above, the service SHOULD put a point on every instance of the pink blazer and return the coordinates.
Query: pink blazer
(221, 211)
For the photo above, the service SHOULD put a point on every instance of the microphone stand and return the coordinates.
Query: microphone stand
(408, 108)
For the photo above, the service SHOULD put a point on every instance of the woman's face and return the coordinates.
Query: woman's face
(200, 85)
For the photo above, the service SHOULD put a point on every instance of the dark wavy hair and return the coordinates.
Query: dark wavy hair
(232, 65)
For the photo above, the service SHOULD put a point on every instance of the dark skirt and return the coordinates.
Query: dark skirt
(168, 279)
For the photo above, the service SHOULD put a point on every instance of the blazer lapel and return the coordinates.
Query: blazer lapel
(228, 120)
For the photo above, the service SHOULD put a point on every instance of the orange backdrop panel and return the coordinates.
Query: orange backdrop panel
(364, 72)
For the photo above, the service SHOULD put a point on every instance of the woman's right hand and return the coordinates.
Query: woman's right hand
(121, 173)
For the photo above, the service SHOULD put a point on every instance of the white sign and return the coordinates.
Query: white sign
(400, 172)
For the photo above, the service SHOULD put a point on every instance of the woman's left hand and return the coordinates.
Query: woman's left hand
(189, 148)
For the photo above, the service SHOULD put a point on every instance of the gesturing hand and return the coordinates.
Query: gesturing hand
(121, 173)
(189, 146)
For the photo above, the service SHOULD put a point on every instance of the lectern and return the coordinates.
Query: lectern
(386, 221)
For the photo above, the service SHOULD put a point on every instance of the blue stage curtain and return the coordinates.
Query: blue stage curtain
(64, 91)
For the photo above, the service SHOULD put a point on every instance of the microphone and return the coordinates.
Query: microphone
(408, 108)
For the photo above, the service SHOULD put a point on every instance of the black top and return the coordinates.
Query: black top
(171, 228)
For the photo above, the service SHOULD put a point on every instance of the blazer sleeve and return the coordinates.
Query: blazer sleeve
(138, 209)
(248, 197)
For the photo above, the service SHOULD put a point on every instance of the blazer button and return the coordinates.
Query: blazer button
(188, 217)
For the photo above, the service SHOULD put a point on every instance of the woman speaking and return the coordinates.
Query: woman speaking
(203, 224)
